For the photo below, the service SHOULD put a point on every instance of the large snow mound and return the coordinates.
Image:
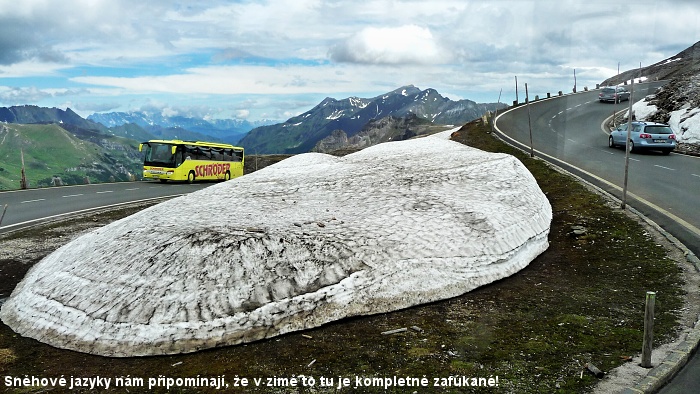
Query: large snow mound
(312, 239)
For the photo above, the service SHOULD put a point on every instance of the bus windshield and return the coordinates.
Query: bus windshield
(158, 154)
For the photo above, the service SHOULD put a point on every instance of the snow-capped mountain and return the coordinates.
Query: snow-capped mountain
(301, 133)
(229, 130)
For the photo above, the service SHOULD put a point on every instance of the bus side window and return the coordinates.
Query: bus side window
(237, 155)
(199, 154)
(179, 155)
(190, 153)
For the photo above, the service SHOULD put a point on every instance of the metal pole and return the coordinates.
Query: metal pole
(627, 148)
(3, 214)
(23, 179)
(517, 100)
(648, 329)
(529, 122)
(493, 120)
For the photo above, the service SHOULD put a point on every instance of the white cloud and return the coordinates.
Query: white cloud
(408, 44)
(17, 96)
(245, 79)
(133, 50)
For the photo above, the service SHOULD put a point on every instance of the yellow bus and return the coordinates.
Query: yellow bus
(176, 160)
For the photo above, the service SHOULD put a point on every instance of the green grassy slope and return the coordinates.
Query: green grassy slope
(50, 151)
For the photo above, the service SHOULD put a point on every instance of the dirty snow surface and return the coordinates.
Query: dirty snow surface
(312, 239)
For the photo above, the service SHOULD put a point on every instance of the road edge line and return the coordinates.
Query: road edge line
(30, 223)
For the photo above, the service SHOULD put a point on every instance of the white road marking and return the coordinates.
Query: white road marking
(106, 191)
(133, 188)
(28, 201)
(665, 168)
(72, 195)
(695, 175)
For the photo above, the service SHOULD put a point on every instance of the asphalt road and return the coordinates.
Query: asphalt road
(568, 131)
(27, 207)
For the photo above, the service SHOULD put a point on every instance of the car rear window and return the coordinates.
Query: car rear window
(608, 90)
(658, 130)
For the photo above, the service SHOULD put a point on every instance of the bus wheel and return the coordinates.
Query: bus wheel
(190, 177)
(163, 180)
(227, 176)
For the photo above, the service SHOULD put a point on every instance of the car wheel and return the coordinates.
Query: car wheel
(666, 152)
(631, 146)
(611, 142)
(190, 177)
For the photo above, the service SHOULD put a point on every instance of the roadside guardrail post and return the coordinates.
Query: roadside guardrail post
(648, 329)
(3, 214)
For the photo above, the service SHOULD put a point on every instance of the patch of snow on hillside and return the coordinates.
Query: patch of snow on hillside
(683, 122)
(686, 124)
(358, 102)
(310, 240)
(335, 115)
(642, 109)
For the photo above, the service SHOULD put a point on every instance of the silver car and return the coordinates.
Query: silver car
(614, 94)
(644, 136)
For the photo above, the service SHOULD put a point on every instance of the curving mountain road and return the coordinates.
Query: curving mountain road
(568, 131)
(28, 207)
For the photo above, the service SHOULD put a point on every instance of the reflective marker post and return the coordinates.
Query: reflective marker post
(648, 329)
(627, 148)
(529, 122)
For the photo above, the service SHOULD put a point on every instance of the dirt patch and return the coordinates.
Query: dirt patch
(581, 301)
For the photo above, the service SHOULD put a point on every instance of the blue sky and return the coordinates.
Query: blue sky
(275, 59)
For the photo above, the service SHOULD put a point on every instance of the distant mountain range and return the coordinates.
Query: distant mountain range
(389, 128)
(224, 130)
(31, 114)
(64, 153)
(302, 133)
(104, 147)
